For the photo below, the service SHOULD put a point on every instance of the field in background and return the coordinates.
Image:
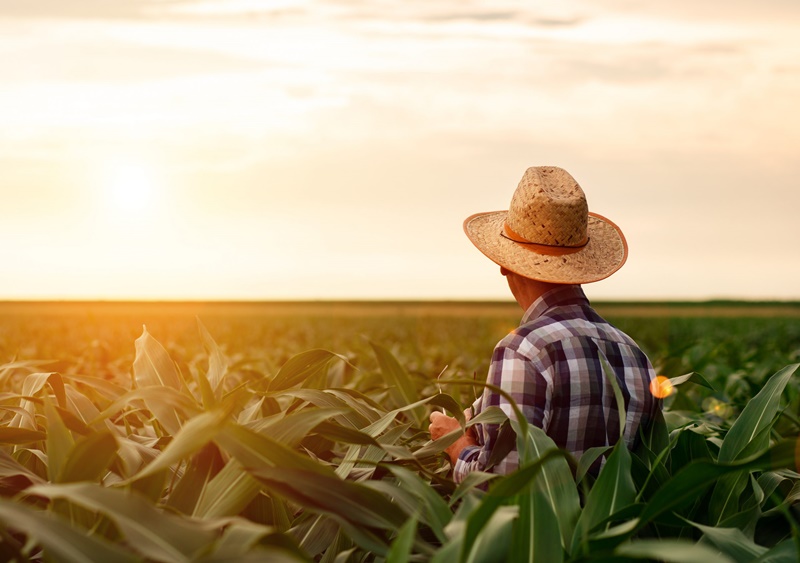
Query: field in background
(242, 442)
(724, 337)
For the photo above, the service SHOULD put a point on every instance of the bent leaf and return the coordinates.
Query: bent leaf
(757, 415)
(60, 541)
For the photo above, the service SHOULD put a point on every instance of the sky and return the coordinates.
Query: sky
(331, 149)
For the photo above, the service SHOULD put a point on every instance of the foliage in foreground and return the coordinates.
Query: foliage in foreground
(210, 461)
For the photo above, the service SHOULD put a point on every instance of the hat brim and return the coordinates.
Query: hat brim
(604, 254)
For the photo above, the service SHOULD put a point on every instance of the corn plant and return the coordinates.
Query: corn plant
(209, 460)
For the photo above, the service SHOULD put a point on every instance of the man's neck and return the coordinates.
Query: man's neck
(526, 290)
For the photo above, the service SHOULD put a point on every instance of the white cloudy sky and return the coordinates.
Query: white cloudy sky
(257, 149)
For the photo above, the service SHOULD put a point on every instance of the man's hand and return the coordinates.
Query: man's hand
(442, 424)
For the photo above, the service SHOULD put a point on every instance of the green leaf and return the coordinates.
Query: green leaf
(433, 509)
(152, 365)
(474, 480)
(555, 480)
(155, 534)
(725, 497)
(17, 436)
(656, 436)
(536, 534)
(256, 451)
(59, 441)
(10, 467)
(503, 444)
(691, 377)
(588, 458)
(693, 479)
(784, 552)
(293, 428)
(227, 493)
(60, 541)
(501, 491)
(191, 438)
(611, 376)
(320, 533)
(758, 414)
(163, 399)
(344, 434)
(217, 362)
(612, 491)
(31, 386)
(494, 538)
(346, 501)
(400, 549)
(301, 367)
(89, 458)
(194, 481)
(671, 551)
(330, 400)
(397, 376)
(732, 542)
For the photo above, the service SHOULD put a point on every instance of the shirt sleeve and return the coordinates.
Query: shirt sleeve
(517, 375)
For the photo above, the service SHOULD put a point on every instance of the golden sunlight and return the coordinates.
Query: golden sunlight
(129, 186)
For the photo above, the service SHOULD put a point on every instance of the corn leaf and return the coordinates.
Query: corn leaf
(503, 488)
(227, 493)
(494, 538)
(671, 551)
(89, 458)
(732, 542)
(693, 479)
(155, 534)
(152, 367)
(163, 399)
(345, 500)
(405, 391)
(434, 511)
(613, 490)
(759, 413)
(11, 435)
(60, 541)
(691, 377)
(301, 367)
(784, 552)
(217, 361)
(400, 549)
(292, 429)
(59, 441)
(31, 386)
(536, 535)
(192, 437)
(204, 465)
(554, 481)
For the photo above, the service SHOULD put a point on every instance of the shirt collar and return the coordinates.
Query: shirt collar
(559, 296)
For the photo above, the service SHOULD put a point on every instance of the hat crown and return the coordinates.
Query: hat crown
(549, 207)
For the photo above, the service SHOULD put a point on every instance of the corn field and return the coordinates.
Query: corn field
(238, 452)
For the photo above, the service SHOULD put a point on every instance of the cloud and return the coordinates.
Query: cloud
(84, 9)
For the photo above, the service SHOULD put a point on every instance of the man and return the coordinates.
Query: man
(547, 244)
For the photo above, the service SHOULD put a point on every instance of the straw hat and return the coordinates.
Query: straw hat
(548, 234)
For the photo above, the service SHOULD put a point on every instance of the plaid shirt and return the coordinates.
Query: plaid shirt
(551, 366)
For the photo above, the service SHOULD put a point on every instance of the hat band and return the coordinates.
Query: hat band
(541, 248)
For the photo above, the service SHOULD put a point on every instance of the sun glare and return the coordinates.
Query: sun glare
(130, 187)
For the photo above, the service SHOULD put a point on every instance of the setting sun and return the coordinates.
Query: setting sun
(130, 186)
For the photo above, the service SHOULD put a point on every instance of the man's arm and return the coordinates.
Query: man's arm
(441, 424)
(521, 378)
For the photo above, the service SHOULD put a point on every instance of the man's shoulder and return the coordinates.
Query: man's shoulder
(559, 326)
(531, 337)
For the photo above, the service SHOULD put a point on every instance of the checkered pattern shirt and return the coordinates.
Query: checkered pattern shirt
(551, 366)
